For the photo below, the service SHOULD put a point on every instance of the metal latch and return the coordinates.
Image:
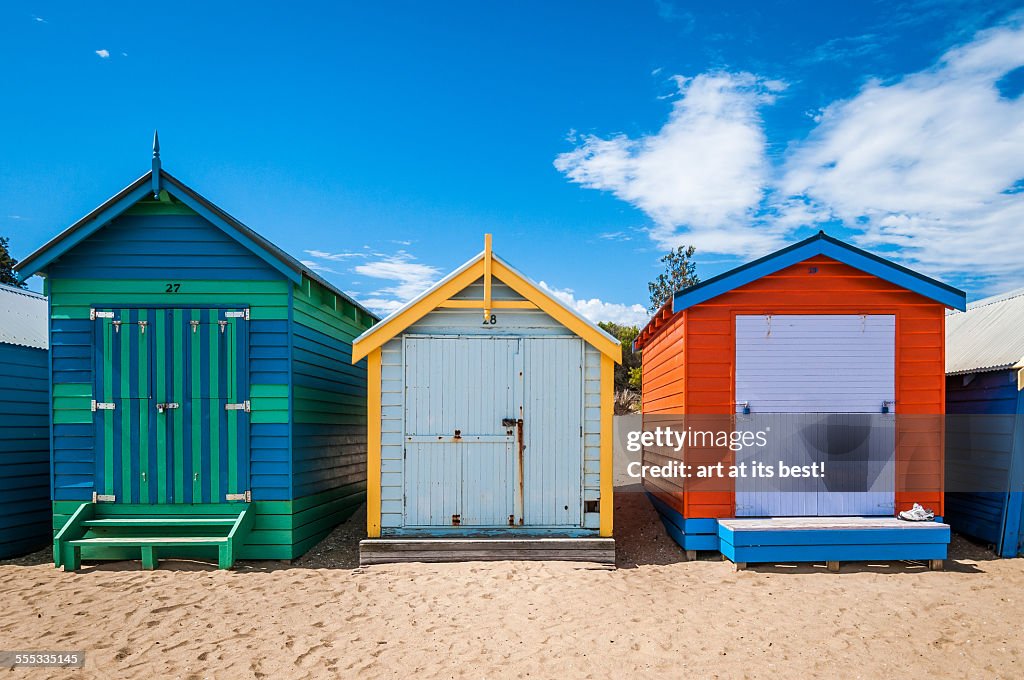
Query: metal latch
(93, 315)
(243, 406)
(244, 314)
(103, 498)
(456, 520)
(886, 404)
(166, 406)
(103, 405)
(247, 497)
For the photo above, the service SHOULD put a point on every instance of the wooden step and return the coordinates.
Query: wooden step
(138, 541)
(160, 522)
(390, 550)
(178, 531)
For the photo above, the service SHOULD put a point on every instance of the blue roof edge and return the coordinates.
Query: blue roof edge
(821, 244)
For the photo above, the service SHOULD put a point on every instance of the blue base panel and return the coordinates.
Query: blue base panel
(690, 534)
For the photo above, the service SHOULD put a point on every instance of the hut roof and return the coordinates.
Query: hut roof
(23, 318)
(988, 336)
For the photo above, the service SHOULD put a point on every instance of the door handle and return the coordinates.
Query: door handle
(166, 406)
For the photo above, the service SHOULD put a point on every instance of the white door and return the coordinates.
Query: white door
(820, 384)
(460, 460)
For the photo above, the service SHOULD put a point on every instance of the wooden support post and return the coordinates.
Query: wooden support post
(225, 558)
(739, 566)
(487, 277)
(936, 565)
(72, 558)
(148, 557)
(691, 555)
(833, 566)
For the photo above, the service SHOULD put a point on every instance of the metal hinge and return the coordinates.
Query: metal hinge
(103, 405)
(247, 497)
(93, 315)
(243, 406)
(244, 314)
(103, 498)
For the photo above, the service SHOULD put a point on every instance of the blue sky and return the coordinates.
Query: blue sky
(379, 141)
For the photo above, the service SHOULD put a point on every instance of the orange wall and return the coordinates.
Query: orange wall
(704, 337)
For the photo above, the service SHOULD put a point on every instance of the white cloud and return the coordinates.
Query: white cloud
(318, 266)
(597, 310)
(103, 54)
(702, 176)
(928, 164)
(927, 169)
(409, 280)
(335, 257)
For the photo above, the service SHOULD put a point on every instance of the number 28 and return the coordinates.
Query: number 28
(491, 321)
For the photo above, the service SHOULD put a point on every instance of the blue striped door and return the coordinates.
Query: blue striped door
(170, 375)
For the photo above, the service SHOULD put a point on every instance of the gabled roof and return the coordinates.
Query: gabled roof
(145, 186)
(484, 265)
(23, 318)
(820, 244)
(989, 336)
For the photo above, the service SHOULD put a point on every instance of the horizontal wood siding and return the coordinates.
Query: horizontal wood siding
(166, 237)
(392, 431)
(663, 379)
(329, 408)
(981, 422)
(24, 450)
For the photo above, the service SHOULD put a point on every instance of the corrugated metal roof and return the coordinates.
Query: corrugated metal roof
(989, 336)
(22, 318)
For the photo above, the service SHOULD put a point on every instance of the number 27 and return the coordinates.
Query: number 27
(172, 288)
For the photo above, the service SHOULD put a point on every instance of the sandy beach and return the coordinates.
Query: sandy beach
(657, 615)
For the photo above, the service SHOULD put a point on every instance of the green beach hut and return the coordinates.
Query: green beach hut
(204, 403)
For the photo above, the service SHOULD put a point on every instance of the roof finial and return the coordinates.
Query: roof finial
(156, 164)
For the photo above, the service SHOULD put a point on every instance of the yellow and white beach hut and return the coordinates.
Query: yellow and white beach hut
(489, 424)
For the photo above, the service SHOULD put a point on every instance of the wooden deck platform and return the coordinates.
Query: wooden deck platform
(832, 539)
(390, 550)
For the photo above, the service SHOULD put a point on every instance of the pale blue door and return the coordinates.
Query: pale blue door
(461, 466)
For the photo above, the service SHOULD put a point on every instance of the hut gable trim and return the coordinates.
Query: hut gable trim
(121, 202)
(821, 244)
(443, 294)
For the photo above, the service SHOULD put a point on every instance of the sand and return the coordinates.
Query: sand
(655, 616)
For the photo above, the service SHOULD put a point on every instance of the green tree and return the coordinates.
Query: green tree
(680, 272)
(627, 376)
(7, 275)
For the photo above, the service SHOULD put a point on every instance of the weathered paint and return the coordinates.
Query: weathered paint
(170, 261)
(689, 367)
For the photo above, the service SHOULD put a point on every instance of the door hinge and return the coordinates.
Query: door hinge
(247, 497)
(244, 314)
(103, 405)
(103, 498)
(93, 315)
(166, 406)
(243, 406)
